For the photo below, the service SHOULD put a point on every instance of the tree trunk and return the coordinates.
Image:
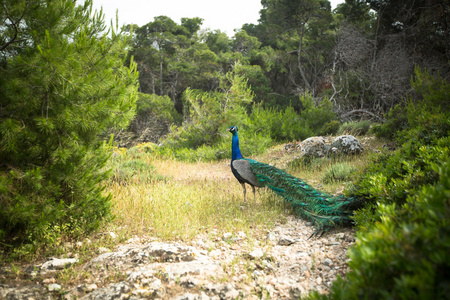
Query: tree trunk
(299, 58)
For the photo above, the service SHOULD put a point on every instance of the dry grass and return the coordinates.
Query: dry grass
(184, 199)
(189, 199)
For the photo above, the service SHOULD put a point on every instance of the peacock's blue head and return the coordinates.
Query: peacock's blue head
(233, 129)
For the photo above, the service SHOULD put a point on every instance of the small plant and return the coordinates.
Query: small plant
(338, 172)
(330, 128)
(355, 128)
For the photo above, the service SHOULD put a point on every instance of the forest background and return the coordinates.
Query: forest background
(68, 82)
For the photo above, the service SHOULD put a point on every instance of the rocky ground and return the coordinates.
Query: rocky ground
(280, 264)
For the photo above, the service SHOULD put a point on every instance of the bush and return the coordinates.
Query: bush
(331, 127)
(406, 255)
(279, 125)
(132, 166)
(397, 121)
(161, 106)
(338, 172)
(62, 86)
(355, 128)
(288, 125)
(250, 144)
(204, 134)
(319, 118)
(430, 98)
(404, 230)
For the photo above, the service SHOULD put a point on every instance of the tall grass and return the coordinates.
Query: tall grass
(187, 199)
(170, 199)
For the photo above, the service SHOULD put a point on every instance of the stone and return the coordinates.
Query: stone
(169, 252)
(256, 254)
(113, 291)
(295, 292)
(271, 236)
(54, 287)
(103, 250)
(227, 236)
(189, 282)
(285, 241)
(241, 234)
(256, 273)
(189, 296)
(347, 144)
(90, 287)
(327, 262)
(22, 293)
(314, 147)
(57, 264)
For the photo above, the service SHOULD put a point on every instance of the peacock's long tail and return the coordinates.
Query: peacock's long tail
(323, 210)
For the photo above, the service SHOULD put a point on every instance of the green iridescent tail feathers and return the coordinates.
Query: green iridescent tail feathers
(323, 210)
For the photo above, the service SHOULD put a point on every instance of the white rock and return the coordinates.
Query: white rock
(256, 254)
(313, 146)
(347, 144)
(256, 273)
(241, 234)
(227, 236)
(271, 236)
(285, 241)
(90, 287)
(103, 249)
(53, 287)
(327, 262)
(58, 264)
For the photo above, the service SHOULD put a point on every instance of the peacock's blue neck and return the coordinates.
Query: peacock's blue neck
(235, 152)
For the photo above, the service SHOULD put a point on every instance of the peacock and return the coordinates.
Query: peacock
(323, 210)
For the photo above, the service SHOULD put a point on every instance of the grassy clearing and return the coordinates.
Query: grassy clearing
(178, 200)
(187, 199)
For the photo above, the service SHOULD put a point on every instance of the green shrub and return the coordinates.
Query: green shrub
(405, 256)
(209, 114)
(397, 120)
(429, 98)
(355, 128)
(404, 230)
(288, 125)
(132, 166)
(280, 125)
(161, 106)
(250, 144)
(338, 172)
(62, 86)
(317, 117)
(330, 128)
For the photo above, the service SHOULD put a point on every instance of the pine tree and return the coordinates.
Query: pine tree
(62, 84)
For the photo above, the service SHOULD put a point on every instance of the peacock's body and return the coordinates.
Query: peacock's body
(323, 210)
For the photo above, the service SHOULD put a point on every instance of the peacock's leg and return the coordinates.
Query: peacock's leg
(243, 188)
(254, 192)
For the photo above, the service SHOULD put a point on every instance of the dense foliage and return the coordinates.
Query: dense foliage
(357, 56)
(62, 84)
(403, 234)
